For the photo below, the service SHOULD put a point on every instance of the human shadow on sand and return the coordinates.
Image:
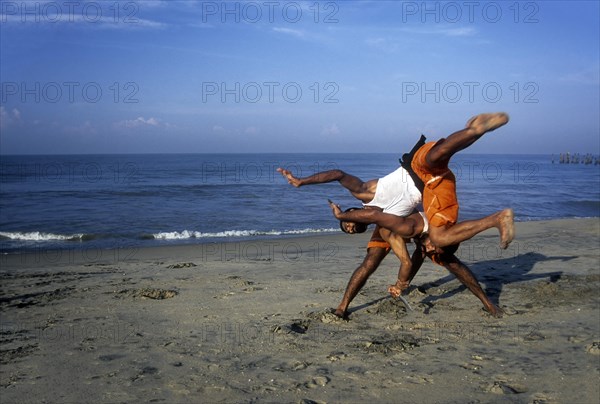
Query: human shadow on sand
(493, 275)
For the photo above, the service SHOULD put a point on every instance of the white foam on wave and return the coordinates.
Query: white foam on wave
(187, 234)
(39, 236)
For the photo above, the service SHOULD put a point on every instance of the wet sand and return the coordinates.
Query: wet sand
(251, 322)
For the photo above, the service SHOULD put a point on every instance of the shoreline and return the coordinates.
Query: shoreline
(128, 251)
(250, 322)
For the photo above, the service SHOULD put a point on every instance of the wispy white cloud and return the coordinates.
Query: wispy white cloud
(383, 44)
(321, 37)
(8, 118)
(79, 21)
(330, 130)
(84, 129)
(141, 122)
(391, 44)
(443, 31)
(252, 130)
(290, 31)
(91, 15)
(157, 3)
(585, 76)
(235, 131)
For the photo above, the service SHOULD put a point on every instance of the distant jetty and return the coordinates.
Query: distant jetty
(576, 158)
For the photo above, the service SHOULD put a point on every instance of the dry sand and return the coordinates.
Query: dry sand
(250, 322)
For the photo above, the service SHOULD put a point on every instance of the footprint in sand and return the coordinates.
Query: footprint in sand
(309, 401)
(393, 307)
(325, 316)
(506, 387)
(391, 345)
(12, 355)
(298, 326)
(246, 285)
(417, 379)
(471, 366)
(593, 348)
(150, 293)
(182, 265)
(337, 356)
(540, 398)
(292, 366)
(318, 381)
(509, 311)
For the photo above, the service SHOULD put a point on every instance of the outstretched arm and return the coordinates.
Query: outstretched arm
(398, 245)
(355, 185)
(403, 226)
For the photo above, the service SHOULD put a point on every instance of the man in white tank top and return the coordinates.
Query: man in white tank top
(384, 199)
(396, 194)
(389, 201)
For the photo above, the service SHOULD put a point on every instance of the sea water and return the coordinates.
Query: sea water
(107, 201)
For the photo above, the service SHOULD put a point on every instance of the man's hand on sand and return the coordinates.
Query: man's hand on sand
(289, 177)
(394, 291)
(397, 289)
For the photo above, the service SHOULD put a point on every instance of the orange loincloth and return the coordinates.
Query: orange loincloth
(439, 195)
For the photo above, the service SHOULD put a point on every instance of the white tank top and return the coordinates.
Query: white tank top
(396, 194)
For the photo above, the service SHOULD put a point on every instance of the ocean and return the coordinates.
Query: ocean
(111, 201)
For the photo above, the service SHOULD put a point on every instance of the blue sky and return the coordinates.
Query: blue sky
(273, 76)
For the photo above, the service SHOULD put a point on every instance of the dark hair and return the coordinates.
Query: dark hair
(358, 227)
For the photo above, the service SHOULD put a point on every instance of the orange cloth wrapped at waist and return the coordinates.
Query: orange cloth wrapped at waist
(378, 241)
(380, 244)
(439, 195)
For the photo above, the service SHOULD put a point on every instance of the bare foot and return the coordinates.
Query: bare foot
(289, 177)
(483, 123)
(341, 313)
(494, 311)
(506, 225)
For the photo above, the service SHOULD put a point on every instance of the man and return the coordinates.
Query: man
(395, 194)
(430, 163)
(377, 251)
(432, 159)
(390, 202)
(390, 198)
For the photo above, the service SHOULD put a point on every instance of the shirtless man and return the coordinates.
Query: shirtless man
(430, 163)
(377, 250)
(390, 202)
(395, 194)
(379, 247)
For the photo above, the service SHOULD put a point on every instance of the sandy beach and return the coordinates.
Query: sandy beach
(251, 322)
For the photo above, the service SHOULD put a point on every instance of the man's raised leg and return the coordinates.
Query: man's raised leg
(461, 231)
(439, 156)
